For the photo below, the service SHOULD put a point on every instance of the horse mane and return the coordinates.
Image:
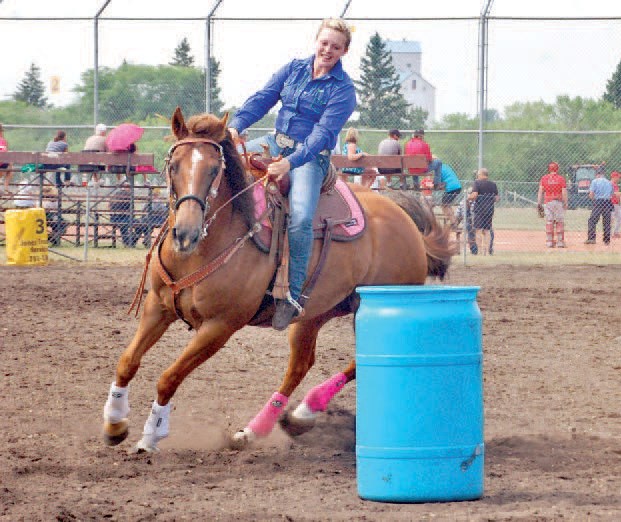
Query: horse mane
(209, 126)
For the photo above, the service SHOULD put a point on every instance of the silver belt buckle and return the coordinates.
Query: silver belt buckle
(284, 141)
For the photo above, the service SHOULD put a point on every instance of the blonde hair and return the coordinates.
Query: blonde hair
(483, 172)
(352, 135)
(337, 24)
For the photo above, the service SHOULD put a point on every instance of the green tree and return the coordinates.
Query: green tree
(136, 92)
(216, 102)
(182, 57)
(381, 103)
(613, 88)
(31, 90)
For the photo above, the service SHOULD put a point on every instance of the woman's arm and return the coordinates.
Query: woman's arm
(352, 154)
(258, 105)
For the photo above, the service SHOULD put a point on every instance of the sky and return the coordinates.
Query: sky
(528, 60)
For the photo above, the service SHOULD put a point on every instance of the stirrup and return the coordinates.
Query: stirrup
(299, 308)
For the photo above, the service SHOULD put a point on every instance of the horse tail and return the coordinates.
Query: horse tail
(438, 245)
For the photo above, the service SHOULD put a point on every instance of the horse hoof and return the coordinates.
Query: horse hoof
(293, 426)
(242, 439)
(116, 433)
(145, 446)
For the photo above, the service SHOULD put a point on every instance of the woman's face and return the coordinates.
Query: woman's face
(330, 46)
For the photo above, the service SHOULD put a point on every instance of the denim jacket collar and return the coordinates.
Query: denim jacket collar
(336, 71)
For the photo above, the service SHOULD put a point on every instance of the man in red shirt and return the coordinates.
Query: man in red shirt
(417, 145)
(616, 206)
(553, 195)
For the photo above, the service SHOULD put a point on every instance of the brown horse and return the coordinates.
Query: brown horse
(211, 220)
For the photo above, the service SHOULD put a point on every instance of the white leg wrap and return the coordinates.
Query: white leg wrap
(243, 438)
(117, 406)
(156, 427)
(304, 413)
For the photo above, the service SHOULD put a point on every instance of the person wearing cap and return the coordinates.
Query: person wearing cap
(418, 145)
(317, 98)
(553, 196)
(5, 168)
(600, 192)
(616, 206)
(95, 143)
(390, 146)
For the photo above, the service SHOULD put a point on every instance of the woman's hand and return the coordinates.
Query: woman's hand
(279, 168)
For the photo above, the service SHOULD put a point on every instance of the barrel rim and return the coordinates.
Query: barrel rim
(416, 289)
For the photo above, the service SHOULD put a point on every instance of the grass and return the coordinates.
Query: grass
(511, 218)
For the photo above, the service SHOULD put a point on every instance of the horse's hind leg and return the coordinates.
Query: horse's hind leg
(302, 340)
(303, 418)
(153, 323)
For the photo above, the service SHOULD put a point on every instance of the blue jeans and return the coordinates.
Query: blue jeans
(306, 184)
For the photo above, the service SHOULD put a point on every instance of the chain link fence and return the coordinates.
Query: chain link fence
(541, 101)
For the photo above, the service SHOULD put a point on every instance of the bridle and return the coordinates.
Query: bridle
(212, 192)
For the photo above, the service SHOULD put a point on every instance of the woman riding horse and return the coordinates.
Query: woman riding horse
(318, 97)
(210, 274)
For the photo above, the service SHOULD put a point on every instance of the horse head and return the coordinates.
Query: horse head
(195, 166)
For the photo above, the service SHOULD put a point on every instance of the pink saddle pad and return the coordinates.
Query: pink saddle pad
(340, 204)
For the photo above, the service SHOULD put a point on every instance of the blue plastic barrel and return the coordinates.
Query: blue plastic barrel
(419, 394)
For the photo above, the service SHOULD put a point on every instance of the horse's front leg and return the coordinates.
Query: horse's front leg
(209, 338)
(154, 322)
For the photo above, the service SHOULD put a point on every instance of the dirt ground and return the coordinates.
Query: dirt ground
(552, 368)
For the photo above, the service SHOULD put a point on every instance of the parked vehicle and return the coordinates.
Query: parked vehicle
(578, 183)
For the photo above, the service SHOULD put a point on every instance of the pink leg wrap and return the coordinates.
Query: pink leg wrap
(264, 422)
(320, 396)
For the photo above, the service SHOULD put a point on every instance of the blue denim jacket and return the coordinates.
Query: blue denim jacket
(313, 112)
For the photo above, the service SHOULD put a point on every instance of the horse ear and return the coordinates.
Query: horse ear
(178, 124)
(224, 120)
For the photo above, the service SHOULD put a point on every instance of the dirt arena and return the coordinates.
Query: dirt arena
(552, 408)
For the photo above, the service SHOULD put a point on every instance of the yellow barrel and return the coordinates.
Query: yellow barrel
(26, 237)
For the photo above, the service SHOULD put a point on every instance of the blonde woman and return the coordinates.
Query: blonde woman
(317, 97)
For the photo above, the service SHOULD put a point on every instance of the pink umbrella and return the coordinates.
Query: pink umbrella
(121, 137)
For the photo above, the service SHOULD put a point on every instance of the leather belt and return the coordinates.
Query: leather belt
(284, 141)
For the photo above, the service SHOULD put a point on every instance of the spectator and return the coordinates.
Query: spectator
(144, 169)
(156, 213)
(616, 206)
(95, 143)
(426, 190)
(484, 195)
(465, 213)
(452, 188)
(5, 168)
(53, 214)
(600, 192)
(26, 194)
(317, 98)
(417, 145)
(354, 153)
(553, 196)
(59, 145)
(121, 214)
(390, 146)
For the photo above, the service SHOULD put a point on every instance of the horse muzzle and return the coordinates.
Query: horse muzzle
(186, 239)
